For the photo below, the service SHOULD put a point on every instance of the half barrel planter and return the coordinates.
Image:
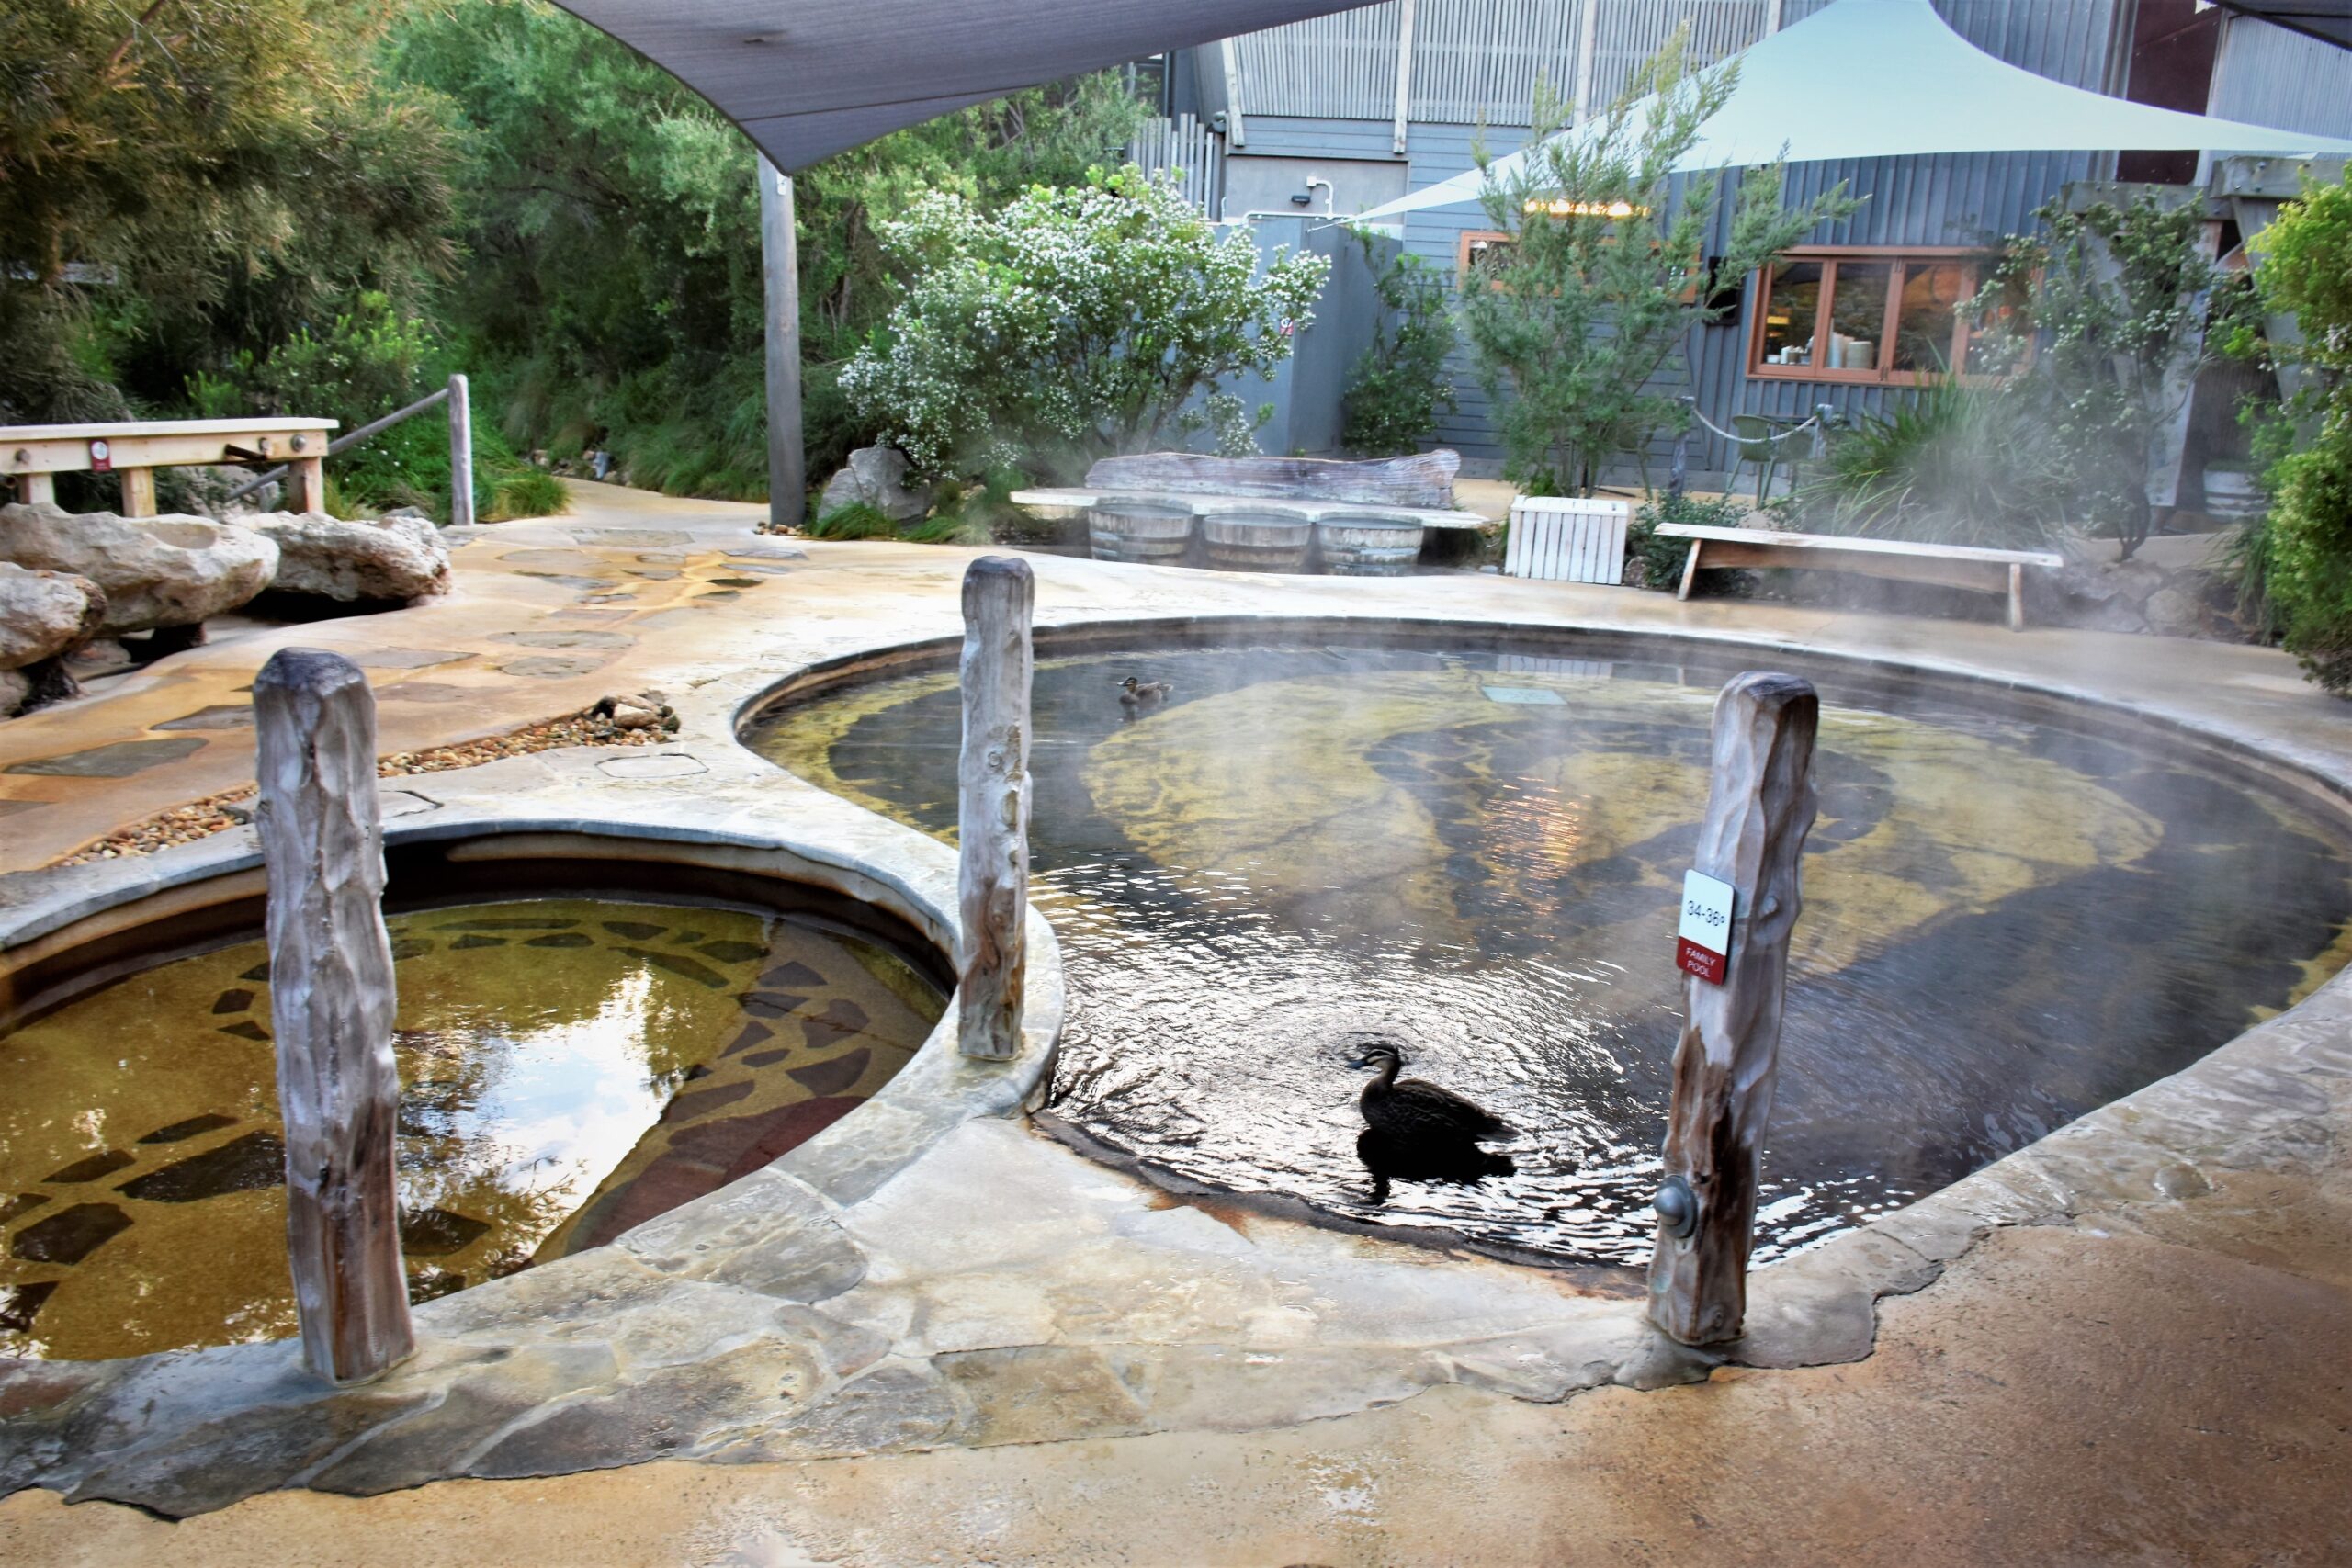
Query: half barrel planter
(1248, 540)
(1368, 545)
(1146, 532)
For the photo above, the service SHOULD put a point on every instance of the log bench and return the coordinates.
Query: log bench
(1947, 566)
(32, 453)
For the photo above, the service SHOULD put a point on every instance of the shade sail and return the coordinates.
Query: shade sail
(1888, 79)
(809, 78)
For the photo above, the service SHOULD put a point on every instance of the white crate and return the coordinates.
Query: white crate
(1558, 538)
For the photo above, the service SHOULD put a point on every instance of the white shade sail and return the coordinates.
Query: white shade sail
(1888, 79)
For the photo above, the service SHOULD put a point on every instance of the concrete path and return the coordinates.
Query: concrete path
(2123, 1344)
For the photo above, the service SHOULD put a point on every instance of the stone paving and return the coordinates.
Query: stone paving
(933, 1333)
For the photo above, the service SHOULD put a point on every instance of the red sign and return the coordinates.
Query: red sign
(1692, 959)
(101, 458)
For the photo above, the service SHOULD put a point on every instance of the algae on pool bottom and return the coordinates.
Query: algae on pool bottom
(2008, 920)
(569, 1068)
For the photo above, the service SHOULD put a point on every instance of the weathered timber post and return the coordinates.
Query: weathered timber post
(461, 453)
(992, 816)
(331, 1001)
(780, 247)
(1759, 812)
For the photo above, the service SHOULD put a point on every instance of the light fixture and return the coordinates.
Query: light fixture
(1560, 206)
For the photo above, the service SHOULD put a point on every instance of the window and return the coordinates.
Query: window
(1873, 316)
(1483, 254)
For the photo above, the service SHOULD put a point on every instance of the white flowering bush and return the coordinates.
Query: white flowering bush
(1076, 322)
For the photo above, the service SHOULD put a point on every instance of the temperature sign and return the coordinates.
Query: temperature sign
(1703, 942)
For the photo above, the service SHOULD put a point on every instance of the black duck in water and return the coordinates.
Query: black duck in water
(1136, 694)
(1409, 1110)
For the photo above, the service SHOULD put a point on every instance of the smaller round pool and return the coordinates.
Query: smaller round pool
(568, 1067)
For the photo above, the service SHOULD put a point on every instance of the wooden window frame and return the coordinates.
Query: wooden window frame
(1469, 238)
(1975, 259)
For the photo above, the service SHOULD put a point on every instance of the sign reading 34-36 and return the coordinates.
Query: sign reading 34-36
(1703, 940)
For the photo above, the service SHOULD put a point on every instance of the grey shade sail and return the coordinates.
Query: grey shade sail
(806, 79)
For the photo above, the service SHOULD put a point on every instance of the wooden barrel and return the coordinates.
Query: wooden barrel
(1257, 541)
(1368, 545)
(1150, 533)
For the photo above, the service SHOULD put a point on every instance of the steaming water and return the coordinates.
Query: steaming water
(2007, 921)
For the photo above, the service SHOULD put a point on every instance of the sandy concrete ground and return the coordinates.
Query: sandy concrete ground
(2148, 1381)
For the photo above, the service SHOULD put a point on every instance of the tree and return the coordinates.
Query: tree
(1077, 322)
(1399, 383)
(1605, 273)
(2128, 307)
(188, 176)
(2302, 550)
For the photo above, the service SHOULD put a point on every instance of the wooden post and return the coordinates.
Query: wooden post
(37, 490)
(138, 492)
(788, 460)
(331, 1001)
(992, 816)
(1759, 812)
(461, 453)
(306, 484)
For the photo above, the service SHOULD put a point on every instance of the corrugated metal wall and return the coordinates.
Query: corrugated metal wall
(2274, 77)
(1477, 59)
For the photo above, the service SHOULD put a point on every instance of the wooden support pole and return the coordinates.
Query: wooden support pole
(138, 492)
(461, 453)
(992, 816)
(306, 484)
(37, 490)
(332, 1002)
(787, 458)
(1759, 812)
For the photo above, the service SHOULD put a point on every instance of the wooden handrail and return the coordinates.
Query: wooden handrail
(365, 433)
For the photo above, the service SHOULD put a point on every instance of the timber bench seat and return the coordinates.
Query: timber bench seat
(1947, 566)
(32, 453)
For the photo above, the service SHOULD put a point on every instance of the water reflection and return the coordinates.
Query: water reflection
(2007, 921)
(567, 1068)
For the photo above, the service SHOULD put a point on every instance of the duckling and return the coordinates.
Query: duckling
(1134, 693)
(1411, 1111)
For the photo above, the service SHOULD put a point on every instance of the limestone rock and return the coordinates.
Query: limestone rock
(43, 613)
(99, 656)
(154, 571)
(2174, 612)
(352, 561)
(876, 477)
(14, 687)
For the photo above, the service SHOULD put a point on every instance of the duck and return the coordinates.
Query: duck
(1409, 1110)
(1134, 693)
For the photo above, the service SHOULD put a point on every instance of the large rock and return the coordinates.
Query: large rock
(354, 560)
(876, 477)
(44, 614)
(14, 687)
(155, 571)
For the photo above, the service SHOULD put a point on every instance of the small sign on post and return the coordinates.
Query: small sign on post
(101, 456)
(1702, 943)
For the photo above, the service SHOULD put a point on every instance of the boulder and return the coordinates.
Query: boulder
(14, 687)
(394, 558)
(43, 613)
(2175, 612)
(154, 571)
(876, 477)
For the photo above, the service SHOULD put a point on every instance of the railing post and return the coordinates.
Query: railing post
(992, 816)
(1759, 811)
(332, 1004)
(461, 454)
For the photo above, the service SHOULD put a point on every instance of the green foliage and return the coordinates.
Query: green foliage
(1662, 556)
(1075, 323)
(526, 492)
(1398, 386)
(856, 520)
(2127, 310)
(1954, 465)
(2298, 562)
(194, 176)
(1602, 279)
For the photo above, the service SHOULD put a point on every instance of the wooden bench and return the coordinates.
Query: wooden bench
(30, 454)
(1948, 566)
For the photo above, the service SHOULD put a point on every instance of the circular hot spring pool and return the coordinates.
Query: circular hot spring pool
(573, 1060)
(2016, 909)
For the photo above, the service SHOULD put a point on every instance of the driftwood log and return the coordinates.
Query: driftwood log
(992, 813)
(1424, 480)
(332, 1002)
(1759, 812)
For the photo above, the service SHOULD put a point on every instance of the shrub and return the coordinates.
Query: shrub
(1399, 385)
(1956, 465)
(1662, 556)
(1075, 324)
(526, 492)
(856, 520)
